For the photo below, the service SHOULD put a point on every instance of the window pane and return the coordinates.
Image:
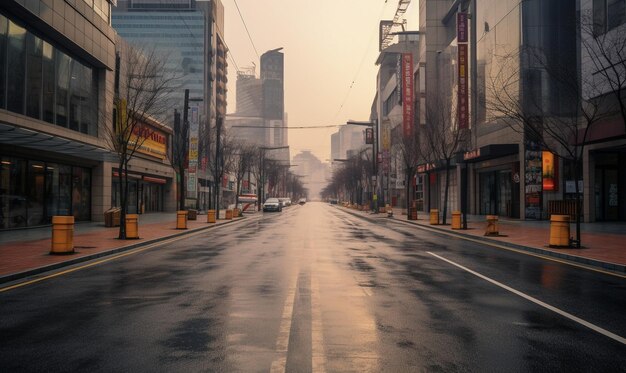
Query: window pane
(599, 16)
(48, 83)
(16, 68)
(17, 193)
(616, 13)
(52, 191)
(63, 85)
(35, 191)
(4, 24)
(75, 95)
(34, 49)
(65, 190)
(81, 193)
(5, 186)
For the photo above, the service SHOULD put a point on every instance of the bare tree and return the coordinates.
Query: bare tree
(604, 53)
(243, 160)
(408, 151)
(442, 139)
(142, 91)
(562, 129)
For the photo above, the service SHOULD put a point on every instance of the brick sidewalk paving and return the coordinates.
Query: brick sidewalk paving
(21, 257)
(605, 249)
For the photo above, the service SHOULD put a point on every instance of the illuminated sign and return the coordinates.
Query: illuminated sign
(550, 166)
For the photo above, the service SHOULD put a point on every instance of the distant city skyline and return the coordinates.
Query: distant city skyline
(333, 48)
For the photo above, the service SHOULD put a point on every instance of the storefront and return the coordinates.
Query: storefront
(610, 185)
(145, 193)
(496, 180)
(32, 191)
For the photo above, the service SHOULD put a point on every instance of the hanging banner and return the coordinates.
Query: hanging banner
(369, 136)
(463, 99)
(461, 27)
(407, 94)
(193, 150)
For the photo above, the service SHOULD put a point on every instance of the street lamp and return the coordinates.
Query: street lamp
(374, 126)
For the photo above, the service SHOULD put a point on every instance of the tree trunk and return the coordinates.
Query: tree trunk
(445, 194)
(123, 181)
(407, 178)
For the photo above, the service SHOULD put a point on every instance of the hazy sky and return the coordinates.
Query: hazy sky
(327, 44)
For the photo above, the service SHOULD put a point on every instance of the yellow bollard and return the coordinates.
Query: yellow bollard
(456, 219)
(210, 218)
(559, 231)
(236, 213)
(62, 235)
(434, 217)
(492, 225)
(132, 226)
(181, 219)
(229, 214)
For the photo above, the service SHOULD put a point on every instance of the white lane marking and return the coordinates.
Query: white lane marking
(282, 342)
(317, 335)
(589, 325)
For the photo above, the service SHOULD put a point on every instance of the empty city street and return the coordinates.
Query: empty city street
(316, 288)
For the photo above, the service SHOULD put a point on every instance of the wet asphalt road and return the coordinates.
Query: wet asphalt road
(317, 289)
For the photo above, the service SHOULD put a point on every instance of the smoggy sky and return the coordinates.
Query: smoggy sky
(328, 44)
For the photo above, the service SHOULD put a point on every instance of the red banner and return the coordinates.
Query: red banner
(461, 27)
(463, 99)
(407, 94)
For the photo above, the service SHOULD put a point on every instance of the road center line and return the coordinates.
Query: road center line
(317, 336)
(580, 321)
(282, 342)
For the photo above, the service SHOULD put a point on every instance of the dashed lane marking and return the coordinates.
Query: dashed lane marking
(282, 342)
(318, 352)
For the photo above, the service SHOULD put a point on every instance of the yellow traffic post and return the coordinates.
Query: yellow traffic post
(132, 226)
(210, 217)
(492, 226)
(434, 217)
(62, 235)
(456, 219)
(229, 214)
(181, 219)
(559, 231)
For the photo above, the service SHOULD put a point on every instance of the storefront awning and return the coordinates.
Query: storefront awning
(13, 135)
(489, 152)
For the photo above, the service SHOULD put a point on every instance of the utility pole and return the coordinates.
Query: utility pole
(218, 163)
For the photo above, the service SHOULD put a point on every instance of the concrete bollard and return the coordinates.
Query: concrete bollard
(132, 226)
(559, 231)
(456, 219)
(492, 226)
(62, 235)
(434, 217)
(210, 217)
(181, 219)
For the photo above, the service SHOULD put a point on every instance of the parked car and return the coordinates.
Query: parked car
(284, 201)
(272, 204)
(302, 201)
(333, 201)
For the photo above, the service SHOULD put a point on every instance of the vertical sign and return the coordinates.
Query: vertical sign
(407, 94)
(461, 27)
(463, 99)
(193, 150)
(369, 136)
(533, 180)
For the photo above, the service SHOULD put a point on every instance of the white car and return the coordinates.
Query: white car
(272, 204)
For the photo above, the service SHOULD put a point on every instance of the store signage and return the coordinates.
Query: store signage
(194, 124)
(550, 171)
(461, 27)
(422, 168)
(407, 94)
(152, 142)
(369, 136)
(463, 96)
(533, 180)
(472, 154)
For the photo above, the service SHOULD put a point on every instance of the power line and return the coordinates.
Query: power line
(291, 127)
(356, 75)
(246, 27)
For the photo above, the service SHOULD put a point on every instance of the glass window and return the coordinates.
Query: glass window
(81, 193)
(34, 49)
(48, 82)
(615, 13)
(17, 193)
(65, 190)
(16, 70)
(52, 191)
(62, 88)
(599, 16)
(4, 24)
(35, 193)
(75, 77)
(5, 185)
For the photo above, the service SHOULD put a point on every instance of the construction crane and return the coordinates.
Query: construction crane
(389, 28)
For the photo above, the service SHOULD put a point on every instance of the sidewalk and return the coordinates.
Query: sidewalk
(604, 244)
(26, 252)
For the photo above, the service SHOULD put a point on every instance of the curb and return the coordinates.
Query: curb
(619, 268)
(51, 267)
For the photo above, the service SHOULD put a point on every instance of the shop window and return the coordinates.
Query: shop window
(34, 51)
(4, 24)
(65, 190)
(35, 193)
(81, 193)
(15, 69)
(52, 191)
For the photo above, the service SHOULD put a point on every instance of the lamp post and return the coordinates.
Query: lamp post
(374, 126)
